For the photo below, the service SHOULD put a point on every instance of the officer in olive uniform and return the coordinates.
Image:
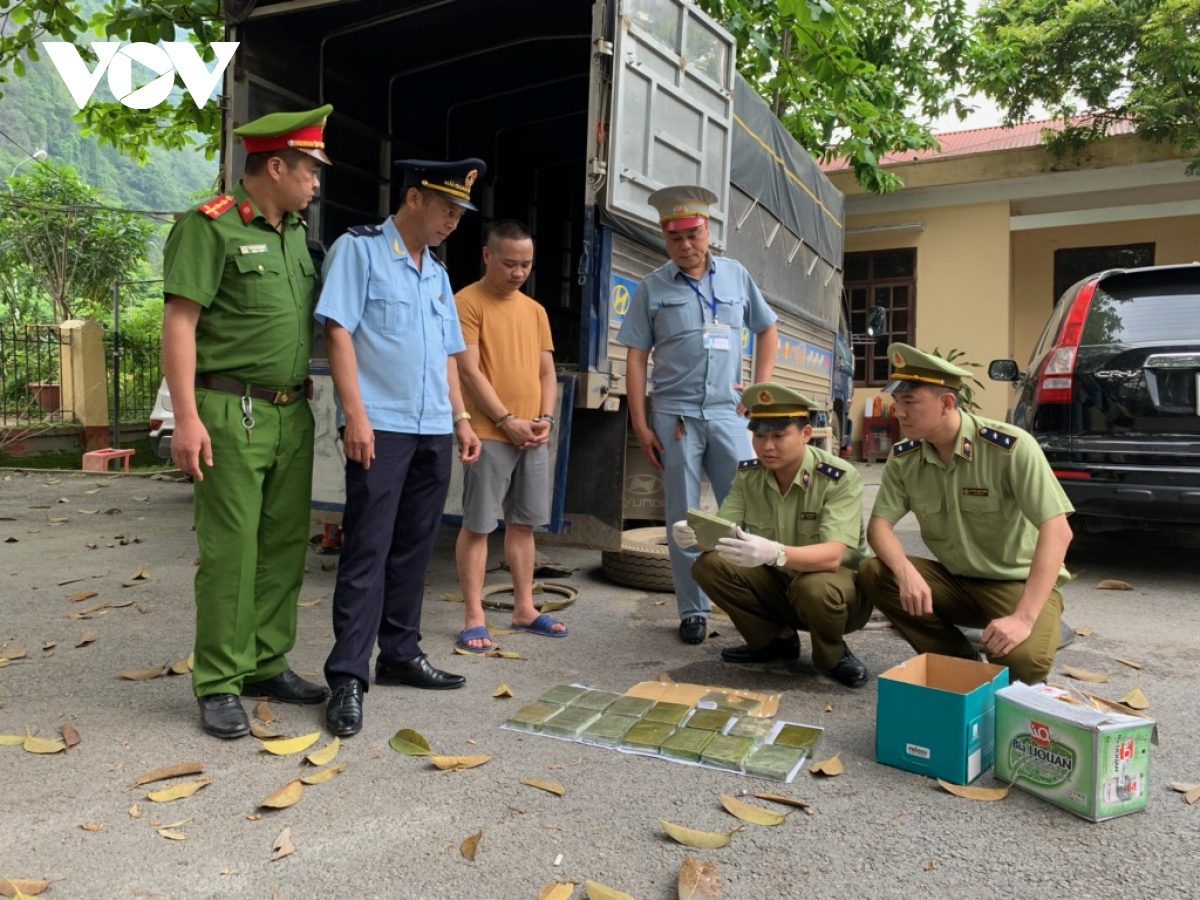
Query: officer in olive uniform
(990, 511)
(800, 538)
(237, 332)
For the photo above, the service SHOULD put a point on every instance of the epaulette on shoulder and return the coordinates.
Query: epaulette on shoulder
(749, 464)
(217, 206)
(830, 471)
(999, 438)
(364, 230)
(904, 447)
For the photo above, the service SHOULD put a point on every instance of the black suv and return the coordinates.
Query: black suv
(1112, 395)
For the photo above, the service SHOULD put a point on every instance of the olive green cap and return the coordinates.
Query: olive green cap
(912, 368)
(773, 407)
(303, 131)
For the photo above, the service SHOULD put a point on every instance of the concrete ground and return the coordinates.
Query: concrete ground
(390, 826)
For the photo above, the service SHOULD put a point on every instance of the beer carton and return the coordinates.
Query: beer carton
(1093, 762)
(935, 715)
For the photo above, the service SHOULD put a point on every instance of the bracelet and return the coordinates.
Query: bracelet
(547, 418)
(504, 418)
(459, 417)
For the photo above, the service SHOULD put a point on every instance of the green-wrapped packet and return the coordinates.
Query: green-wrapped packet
(597, 700)
(687, 743)
(562, 694)
(752, 728)
(532, 716)
(710, 719)
(608, 730)
(671, 713)
(725, 751)
(805, 737)
(570, 721)
(646, 736)
(630, 706)
(774, 761)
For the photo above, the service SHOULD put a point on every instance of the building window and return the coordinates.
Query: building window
(886, 278)
(1077, 263)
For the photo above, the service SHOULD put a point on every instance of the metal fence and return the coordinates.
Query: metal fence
(134, 373)
(31, 374)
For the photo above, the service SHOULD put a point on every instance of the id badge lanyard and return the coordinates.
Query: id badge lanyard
(716, 336)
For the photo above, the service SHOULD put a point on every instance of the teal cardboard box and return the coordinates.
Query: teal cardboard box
(936, 715)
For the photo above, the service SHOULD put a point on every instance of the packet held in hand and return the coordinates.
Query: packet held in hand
(709, 528)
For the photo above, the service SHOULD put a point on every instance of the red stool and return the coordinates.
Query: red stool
(97, 460)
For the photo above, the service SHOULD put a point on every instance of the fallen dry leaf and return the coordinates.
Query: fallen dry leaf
(828, 707)
(305, 604)
(324, 775)
(134, 812)
(929, 866)
(503, 654)
(289, 746)
(326, 753)
(286, 796)
(503, 691)
(176, 771)
(552, 787)
(748, 812)
(967, 792)
(410, 743)
(183, 666)
(262, 732)
(1192, 796)
(1184, 787)
(84, 595)
(92, 826)
(458, 763)
(1083, 631)
(469, 847)
(779, 798)
(597, 891)
(42, 745)
(1135, 699)
(12, 653)
(172, 835)
(831, 766)
(698, 880)
(140, 674)
(691, 837)
(557, 890)
(140, 574)
(9, 887)
(283, 844)
(178, 791)
(88, 637)
(553, 606)
(1113, 584)
(12, 740)
(1083, 674)
(1128, 662)
(69, 735)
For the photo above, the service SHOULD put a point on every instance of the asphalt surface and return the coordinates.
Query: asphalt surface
(390, 826)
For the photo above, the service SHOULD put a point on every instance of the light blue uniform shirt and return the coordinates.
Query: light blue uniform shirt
(668, 313)
(403, 323)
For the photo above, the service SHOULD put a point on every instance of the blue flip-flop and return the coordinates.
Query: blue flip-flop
(479, 632)
(543, 625)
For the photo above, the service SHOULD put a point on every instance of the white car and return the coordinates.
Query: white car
(162, 423)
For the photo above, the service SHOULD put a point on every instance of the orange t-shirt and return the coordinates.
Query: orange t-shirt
(512, 333)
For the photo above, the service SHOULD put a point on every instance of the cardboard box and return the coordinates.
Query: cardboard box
(936, 716)
(1094, 762)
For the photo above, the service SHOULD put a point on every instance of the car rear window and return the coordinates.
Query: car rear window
(1135, 310)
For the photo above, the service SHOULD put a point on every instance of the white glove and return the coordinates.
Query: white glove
(685, 537)
(748, 550)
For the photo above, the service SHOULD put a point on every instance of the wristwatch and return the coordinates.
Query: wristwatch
(461, 416)
(781, 557)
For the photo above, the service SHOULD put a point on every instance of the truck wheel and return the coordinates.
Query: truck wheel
(642, 562)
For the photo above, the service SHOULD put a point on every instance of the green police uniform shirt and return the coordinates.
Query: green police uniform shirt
(823, 504)
(256, 287)
(980, 515)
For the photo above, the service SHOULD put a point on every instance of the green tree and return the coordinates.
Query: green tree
(1137, 60)
(57, 232)
(856, 80)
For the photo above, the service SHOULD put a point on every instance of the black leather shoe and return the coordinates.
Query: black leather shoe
(344, 714)
(286, 687)
(417, 672)
(778, 649)
(222, 715)
(849, 671)
(693, 630)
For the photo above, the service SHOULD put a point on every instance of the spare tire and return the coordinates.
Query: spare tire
(642, 562)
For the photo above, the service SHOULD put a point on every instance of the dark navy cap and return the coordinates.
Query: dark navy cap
(454, 179)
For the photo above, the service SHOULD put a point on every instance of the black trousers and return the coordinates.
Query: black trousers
(389, 526)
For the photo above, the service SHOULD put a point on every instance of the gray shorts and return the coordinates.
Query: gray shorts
(506, 480)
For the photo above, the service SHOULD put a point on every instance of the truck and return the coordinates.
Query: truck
(581, 109)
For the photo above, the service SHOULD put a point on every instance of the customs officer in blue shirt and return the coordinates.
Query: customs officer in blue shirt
(690, 312)
(393, 331)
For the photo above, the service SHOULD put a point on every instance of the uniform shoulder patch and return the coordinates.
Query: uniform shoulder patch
(904, 447)
(749, 464)
(999, 438)
(364, 230)
(830, 471)
(217, 205)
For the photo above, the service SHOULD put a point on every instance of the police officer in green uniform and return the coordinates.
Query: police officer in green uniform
(237, 334)
(799, 539)
(990, 511)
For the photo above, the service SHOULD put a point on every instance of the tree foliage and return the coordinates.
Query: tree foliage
(856, 80)
(1102, 60)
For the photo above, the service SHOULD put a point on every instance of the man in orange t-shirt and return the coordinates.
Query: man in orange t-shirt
(509, 388)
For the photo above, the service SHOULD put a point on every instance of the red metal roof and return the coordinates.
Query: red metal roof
(980, 140)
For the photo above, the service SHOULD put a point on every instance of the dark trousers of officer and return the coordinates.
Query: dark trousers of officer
(763, 599)
(973, 602)
(391, 520)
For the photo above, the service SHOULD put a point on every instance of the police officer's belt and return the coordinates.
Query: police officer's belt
(279, 398)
